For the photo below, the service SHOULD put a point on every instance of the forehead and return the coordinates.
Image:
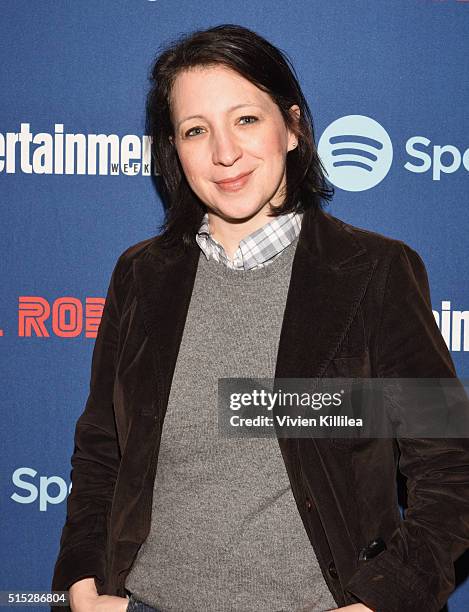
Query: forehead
(208, 89)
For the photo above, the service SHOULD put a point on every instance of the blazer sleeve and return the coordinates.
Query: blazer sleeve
(95, 461)
(416, 571)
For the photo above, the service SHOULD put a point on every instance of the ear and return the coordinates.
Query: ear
(292, 135)
(295, 110)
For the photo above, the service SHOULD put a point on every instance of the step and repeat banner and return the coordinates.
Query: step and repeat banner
(388, 78)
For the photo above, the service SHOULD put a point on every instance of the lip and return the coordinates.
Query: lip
(235, 182)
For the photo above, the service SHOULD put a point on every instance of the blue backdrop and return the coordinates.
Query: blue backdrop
(388, 87)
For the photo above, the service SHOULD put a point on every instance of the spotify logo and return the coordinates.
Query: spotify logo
(356, 152)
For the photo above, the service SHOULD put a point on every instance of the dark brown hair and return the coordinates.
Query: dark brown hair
(269, 69)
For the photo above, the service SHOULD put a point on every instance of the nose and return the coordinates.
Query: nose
(226, 150)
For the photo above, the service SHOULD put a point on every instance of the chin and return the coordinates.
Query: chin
(240, 212)
(239, 215)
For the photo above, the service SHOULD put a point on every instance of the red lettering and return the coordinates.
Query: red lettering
(66, 320)
(94, 310)
(67, 308)
(32, 313)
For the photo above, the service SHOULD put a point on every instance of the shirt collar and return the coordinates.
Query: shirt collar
(256, 250)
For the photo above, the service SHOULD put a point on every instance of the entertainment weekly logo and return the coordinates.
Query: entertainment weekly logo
(70, 317)
(72, 153)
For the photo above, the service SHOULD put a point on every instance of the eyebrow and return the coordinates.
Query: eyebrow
(229, 111)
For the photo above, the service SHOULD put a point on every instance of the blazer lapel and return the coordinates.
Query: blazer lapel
(329, 277)
(165, 279)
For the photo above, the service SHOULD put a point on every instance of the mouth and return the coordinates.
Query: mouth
(234, 183)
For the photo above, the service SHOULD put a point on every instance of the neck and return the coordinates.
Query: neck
(229, 233)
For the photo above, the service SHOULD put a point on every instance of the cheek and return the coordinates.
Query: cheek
(272, 146)
(193, 166)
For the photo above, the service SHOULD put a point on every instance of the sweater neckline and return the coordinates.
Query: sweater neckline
(242, 277)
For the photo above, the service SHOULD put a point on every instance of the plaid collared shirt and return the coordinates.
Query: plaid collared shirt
(256, 250)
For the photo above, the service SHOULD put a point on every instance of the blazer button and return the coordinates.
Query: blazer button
(309, 505)
(332, 571)
(373, 549)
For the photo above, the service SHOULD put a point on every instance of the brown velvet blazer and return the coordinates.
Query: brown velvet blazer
(358, 305)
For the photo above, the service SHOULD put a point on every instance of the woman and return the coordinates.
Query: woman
(251, 278)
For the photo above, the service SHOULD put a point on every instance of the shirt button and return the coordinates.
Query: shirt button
(309, 505)
(332, 571)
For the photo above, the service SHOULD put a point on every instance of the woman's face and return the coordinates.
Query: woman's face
(225, 127)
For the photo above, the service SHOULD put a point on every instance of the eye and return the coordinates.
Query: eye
(188, 133)
(249, 117)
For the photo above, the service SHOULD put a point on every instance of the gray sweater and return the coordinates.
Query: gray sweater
(225, 530)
